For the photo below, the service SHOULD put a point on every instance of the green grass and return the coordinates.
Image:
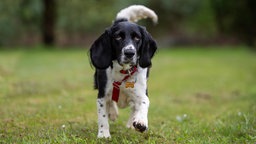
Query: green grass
(197, 96)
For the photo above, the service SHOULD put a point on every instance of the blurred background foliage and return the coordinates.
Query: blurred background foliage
(79, 22)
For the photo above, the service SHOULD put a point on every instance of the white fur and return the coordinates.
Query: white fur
(135, 97)
(136, 12)
(103, 126)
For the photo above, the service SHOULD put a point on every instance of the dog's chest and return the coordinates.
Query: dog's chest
(127, 88)
(130, 89)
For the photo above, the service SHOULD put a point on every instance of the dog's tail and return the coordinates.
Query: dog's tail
(136, 12)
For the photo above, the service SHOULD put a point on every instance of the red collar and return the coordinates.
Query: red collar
(116, 84)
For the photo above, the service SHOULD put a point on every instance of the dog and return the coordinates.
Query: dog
(122, 59)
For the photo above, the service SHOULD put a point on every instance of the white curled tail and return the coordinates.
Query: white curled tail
(136, 12)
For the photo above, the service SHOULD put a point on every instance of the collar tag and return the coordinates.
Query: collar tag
(129, 84)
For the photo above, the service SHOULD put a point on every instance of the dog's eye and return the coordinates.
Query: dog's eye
(118, 38)
(136, 38)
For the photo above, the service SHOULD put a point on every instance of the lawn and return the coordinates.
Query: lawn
(197, 96)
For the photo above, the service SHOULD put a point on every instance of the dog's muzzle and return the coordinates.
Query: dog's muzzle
(129, 55)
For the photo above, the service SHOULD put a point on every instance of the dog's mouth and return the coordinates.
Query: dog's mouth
(128, 61)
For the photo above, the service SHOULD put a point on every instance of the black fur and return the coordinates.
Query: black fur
(147, 50)
(100, 82)
(101, 51)
(106, 48)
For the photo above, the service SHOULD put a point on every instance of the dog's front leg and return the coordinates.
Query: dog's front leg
(140, 119)
(103, 125)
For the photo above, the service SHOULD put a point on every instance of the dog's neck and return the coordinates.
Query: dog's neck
(119, 67)
(126, 66)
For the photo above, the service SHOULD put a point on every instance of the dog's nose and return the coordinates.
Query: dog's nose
(129, 53)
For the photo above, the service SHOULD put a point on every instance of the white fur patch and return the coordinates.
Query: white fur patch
(136, 12)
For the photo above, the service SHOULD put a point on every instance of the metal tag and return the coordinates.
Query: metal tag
(129, 84)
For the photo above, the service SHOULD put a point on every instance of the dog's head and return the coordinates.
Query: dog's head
(126, 42)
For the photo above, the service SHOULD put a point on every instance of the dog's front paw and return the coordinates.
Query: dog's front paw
(139, 126)
(104, 134)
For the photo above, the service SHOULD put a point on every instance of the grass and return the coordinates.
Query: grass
(197, 96)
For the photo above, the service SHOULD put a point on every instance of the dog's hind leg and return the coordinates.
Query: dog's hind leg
(112, 110)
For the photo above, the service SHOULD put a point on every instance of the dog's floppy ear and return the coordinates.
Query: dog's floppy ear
(147, 49)
(101, 51)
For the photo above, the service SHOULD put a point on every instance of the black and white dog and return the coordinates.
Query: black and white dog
(122, 57)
